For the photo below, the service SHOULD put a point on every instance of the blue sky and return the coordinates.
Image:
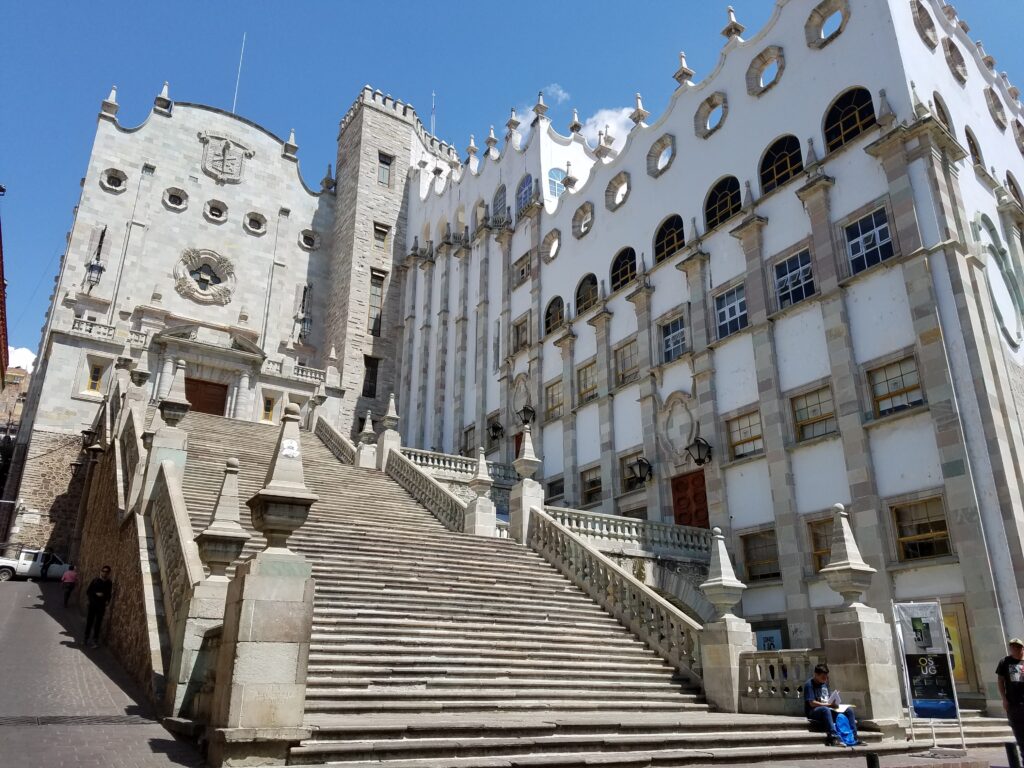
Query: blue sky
(304, 64)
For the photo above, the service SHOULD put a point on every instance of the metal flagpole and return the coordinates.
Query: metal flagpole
(238, 79)
(952, 682)
(903, 666)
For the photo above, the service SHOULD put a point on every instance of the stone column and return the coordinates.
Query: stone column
(461, 348)
(570, 475)
(366, 451)
(525, 494)
(657, 487)
(390, 439)
(409, 273)
(441, 353)
(243, 403)
(169, 442)
(724, 639)
(419, 435)
(858, 641)
(481, 518)
(605, 407)
(483, 334)
(260, 695)
(503, 237)
(163, 382)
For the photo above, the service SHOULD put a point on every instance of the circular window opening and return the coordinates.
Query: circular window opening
(832, 25)
(620, 193)
(216, 212)
(664, 158)
(114, 181)
(715, 118)
(770, 73)
(308, 241)
(255, 223)
(553, 248)
(205, 278)
(174, 199)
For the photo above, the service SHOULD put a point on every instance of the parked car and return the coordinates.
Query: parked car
(20, 563)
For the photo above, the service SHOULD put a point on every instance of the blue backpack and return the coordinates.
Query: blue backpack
(844, 732)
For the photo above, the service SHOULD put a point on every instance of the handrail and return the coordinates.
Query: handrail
(342, 448)
(643, 534)
(442, 503)
(667, 631)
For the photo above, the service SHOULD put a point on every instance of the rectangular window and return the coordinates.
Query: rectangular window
(380, 234)
(268, 409)
(469, 445)
(590, 485)
(745, 435)
(371, 366)
(95, 383)
(553, 401)
(868, 241)
(521, 271)
(376, 303)
(627, 472)
(555, 489)
(673, 340)
(494, 433)
(384, 163)
(895, 387)
(520, 335)
(627, 363)
(586, 383)
(820, 534)
(814, 414)
(761, 556)
(794, 280)
(921, 530)
(731, 311)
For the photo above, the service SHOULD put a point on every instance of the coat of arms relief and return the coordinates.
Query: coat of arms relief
(224, 158)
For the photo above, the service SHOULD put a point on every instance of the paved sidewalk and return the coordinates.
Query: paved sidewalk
(65, 706)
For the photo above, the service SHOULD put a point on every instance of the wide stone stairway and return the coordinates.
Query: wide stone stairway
(434, 648)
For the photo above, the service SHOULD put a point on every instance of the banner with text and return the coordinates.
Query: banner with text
(922, 637)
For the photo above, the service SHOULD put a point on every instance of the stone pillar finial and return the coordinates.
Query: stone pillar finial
(886, 115)
(109, 107)
(221, 542)
(526, 463)
(282, 505)
(540, 108)
(481, 482)
(162, 103)
(174, 405)
(391, 418)
(471, 150)
(575, 126)
(367, 435)
(639, 114)
(684, 75)
(733, 28)
(722, 588)
(290, 147)
(846, 572)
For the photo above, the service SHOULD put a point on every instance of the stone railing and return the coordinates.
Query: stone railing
(666, 630)
(90, 328)
(441, 502)
(273, 367)
(137, 338)
(176, 551)
(459, 466)
(771, 681)
(623, 533)
(343, 449)
(501, 530)
(309, 374)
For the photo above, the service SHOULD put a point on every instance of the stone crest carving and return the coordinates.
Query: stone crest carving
(520, 395)
(224, 158)
(678, 427)
(204, 276)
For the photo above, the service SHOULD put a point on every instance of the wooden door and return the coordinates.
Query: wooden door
(206, 396)
(690, 500)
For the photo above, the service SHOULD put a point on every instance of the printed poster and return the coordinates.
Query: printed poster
(923, 638)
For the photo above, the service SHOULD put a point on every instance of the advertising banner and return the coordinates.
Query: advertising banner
(922, 635)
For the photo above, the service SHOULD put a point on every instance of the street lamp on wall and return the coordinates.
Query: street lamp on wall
(641, 469)
(700, 451)
(88, 437)
(495, 430)
(527, 414)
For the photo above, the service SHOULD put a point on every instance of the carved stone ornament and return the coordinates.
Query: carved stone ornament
(224, 158)
(204, 276)
(520, 395)
(677, 427)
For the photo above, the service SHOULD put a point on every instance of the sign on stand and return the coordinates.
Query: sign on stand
(927, 666)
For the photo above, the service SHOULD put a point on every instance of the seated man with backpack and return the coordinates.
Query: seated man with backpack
(821, 706)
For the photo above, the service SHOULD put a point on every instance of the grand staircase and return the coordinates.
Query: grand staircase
(434, 648)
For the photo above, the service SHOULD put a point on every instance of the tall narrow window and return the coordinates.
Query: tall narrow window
(669, 238)
(723, 202)
(627, 363)
(820, 533)
(814, 414)
(731, 311)
(95, 382)
(554, 317)
(586, 294)
(974, 148)
(745, 435)
(623, 268)
(921, 530)
(553, 401)
(673, 340)
(524, 194)
(556, 182)
(848, 117)
(380, 235)
(306, 312)
(761, 556)
(376, 303)
(267, 413)
(498, 204)
(384, 163)
(782, 161)
(371, 366)
(586, 383)
(590, 485)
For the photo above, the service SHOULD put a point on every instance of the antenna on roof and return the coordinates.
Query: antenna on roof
(238, 79)
(433, 112)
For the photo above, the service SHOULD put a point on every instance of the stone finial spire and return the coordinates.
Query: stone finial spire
(721, 588)
(391, 419)
(175, 405)
(569, 181)
(482, 481)
(513, 122)
(526, 463)
(221, 542)
(812, 153)
(684, 75)
(491, 141)
(886, 115)
(471, 150)
(367, 435)
(639, 114)
(748, 196)
(575, 126)
(540, 108)
(332, 355)
(109, 106)
(327, 183)
(733, 29)
(290, 147)
(920, 110)
(282, 505)
(162, 103)
(846, 572)
(986, 58)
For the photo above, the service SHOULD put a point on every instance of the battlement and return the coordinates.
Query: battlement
(377, 99)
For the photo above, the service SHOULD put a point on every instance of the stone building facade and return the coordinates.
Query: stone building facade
(809, 266)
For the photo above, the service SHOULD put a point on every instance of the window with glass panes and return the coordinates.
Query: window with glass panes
(627, 363)
(556, 182)
(553, 400)
(371, 366)
(268, 409)
(556, 489)
(895, 387)
(820, 534)
(745, 435)
(627, 472)
(814, 414)
(590, 485)
(794, 280)
(520, 335)
(95, 378)
(868, 241)
(469, 445)
(380, 234)
(673, 340)
(586, 383)
(731, 311)
(761, 556)
(384, 163)
(921, 530)
(376, 303)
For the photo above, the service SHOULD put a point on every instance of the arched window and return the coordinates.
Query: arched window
(556, 178)
(498, 203)
(586, 294)
(723, 202)
(782, 161)
(974, 148)
(623, 268)
(669, 238)
(848, 117)
(523, 194)
(941, 113)
(554, 316)
(1011, 184)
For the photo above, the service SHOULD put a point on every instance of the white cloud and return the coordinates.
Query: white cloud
(556, 93)
(616, 121)
(21, 357)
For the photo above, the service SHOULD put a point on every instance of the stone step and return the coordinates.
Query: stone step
(636, 667)
(482, 594)
(441, 627)
(495, 640)
(519, 704)
(401, 691)
(492, 683)
(333, 647)
(372, 670)
(386, 611)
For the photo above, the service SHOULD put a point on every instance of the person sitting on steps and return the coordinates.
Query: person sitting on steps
(818, 709)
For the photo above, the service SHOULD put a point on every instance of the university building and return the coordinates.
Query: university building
(799, 285)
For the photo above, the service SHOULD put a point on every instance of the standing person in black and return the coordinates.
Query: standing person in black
(44, 564)
(1010, 677)
(99, 593)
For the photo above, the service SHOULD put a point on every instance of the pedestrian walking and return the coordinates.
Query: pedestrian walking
(67, 583)
(1010, 678)
(44, 564)
(98, 593)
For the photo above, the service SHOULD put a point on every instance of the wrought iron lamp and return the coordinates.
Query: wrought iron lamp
(641, 469)
(495, 430)
(88, 437)
(526, 414)
(700, 451)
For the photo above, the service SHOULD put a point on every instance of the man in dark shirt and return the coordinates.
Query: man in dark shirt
(817, 708)
(1010, 677)
(99, 592)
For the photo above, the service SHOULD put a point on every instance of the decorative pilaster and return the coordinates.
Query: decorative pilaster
(658, 487)
(441, 355)
(570, 472)
(605, 407)
(426, 353)
(483, 333)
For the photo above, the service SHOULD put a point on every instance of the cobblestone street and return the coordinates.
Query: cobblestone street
(67, 706)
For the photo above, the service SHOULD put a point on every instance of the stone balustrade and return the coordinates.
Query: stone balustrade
(618, 533)
(309, 374)
(771, 681)
(91, 328)
(342, 448)
(501, 530)
(459, 466)
(666, 630)
(441, 502)
(138, 338)
(273, 367)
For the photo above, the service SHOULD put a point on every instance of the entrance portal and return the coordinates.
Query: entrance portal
(690, 500)
(206, 396)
